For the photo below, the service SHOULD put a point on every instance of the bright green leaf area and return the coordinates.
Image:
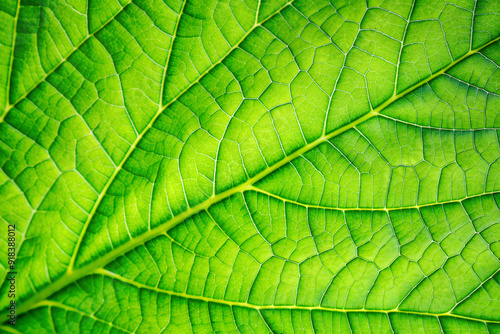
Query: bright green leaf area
(251, 166)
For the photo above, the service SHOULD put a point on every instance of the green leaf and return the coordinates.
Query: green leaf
(251, 166)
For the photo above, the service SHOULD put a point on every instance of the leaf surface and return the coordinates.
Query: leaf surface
(245, 166)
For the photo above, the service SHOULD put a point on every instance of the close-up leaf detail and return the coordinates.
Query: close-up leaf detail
(250, 166)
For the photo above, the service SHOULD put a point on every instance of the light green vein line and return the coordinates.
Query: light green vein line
(174, 37)
(9, 329)
(11, 61)
(9, 106)
(74, 274)
(125, 158)
(417, 207)
(223, 57)
(414, 3)
(141, 135)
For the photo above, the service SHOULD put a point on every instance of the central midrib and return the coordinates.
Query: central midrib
(73, 275)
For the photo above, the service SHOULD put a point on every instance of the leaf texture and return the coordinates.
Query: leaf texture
(251, 166)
